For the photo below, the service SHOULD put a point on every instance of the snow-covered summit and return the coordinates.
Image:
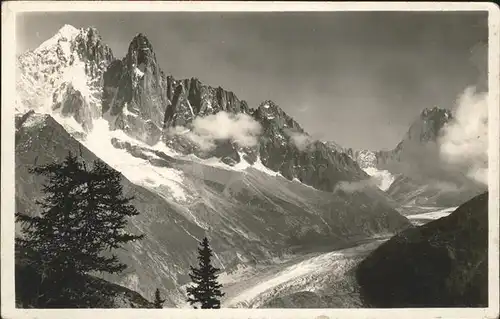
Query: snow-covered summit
(65, 69)
(66, 34)
(366, 158)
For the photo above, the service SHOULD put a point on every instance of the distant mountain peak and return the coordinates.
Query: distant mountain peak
(140, 42)
(435, 112)
(67, 29)
(66, 34)
(140, 53)
(269, 104)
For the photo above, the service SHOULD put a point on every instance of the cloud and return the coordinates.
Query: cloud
(239, 128)
(356, 186)
(464, 140)
(301, 140)
(446, 186)
(383, 179)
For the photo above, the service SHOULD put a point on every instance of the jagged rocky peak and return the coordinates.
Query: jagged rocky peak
(365, 158)
(86, 43)
(423, 132)
(191, 98)
(66, 68)
(140, 53)
(90, 47)
(270, 112)
(286, 148)
(334, 146)
(429, 124)
(435, 112)
(135, 92)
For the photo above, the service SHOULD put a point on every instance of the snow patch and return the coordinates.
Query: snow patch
(75, 74)
(138, 72)
(137, 170)
(437, 214)
(126, 112)
(190, 107)
(242, 164)
(296, 180)
(382, 178)
(66, 33)
(69, 123)
(261, 167)
(34, 120)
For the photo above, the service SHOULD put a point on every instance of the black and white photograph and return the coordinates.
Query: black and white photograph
(267, 159)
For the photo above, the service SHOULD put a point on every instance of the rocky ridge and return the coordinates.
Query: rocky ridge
(75, 75)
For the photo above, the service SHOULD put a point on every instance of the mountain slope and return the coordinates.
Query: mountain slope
(440, 264)
(249, 215)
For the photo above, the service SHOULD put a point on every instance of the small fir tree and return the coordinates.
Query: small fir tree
(206, 290)
(158, 302)
(83, 214)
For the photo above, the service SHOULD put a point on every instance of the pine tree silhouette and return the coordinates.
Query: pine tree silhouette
(83, 214)
(158, 302)
(206, 290)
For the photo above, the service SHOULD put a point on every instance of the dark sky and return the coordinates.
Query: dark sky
(358, 78)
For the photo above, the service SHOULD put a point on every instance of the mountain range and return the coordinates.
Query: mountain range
(201, 162)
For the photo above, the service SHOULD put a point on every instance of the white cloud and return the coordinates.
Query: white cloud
(301, 140)
(355, 186)
(464, 140)
(239, 128)
(382, 178)
(446, 186)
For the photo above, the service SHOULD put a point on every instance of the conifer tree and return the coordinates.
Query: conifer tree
(83, 214)
(206, 290)
(158, 302)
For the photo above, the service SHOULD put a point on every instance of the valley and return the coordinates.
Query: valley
(328, 277)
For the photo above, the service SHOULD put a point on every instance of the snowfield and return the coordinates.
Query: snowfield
(422, 218)
(313, 273)
(382, 178)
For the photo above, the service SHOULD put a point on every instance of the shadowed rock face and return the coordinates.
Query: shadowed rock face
(441, 264)
(286, 148)
(71, 103)
(137, 91)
